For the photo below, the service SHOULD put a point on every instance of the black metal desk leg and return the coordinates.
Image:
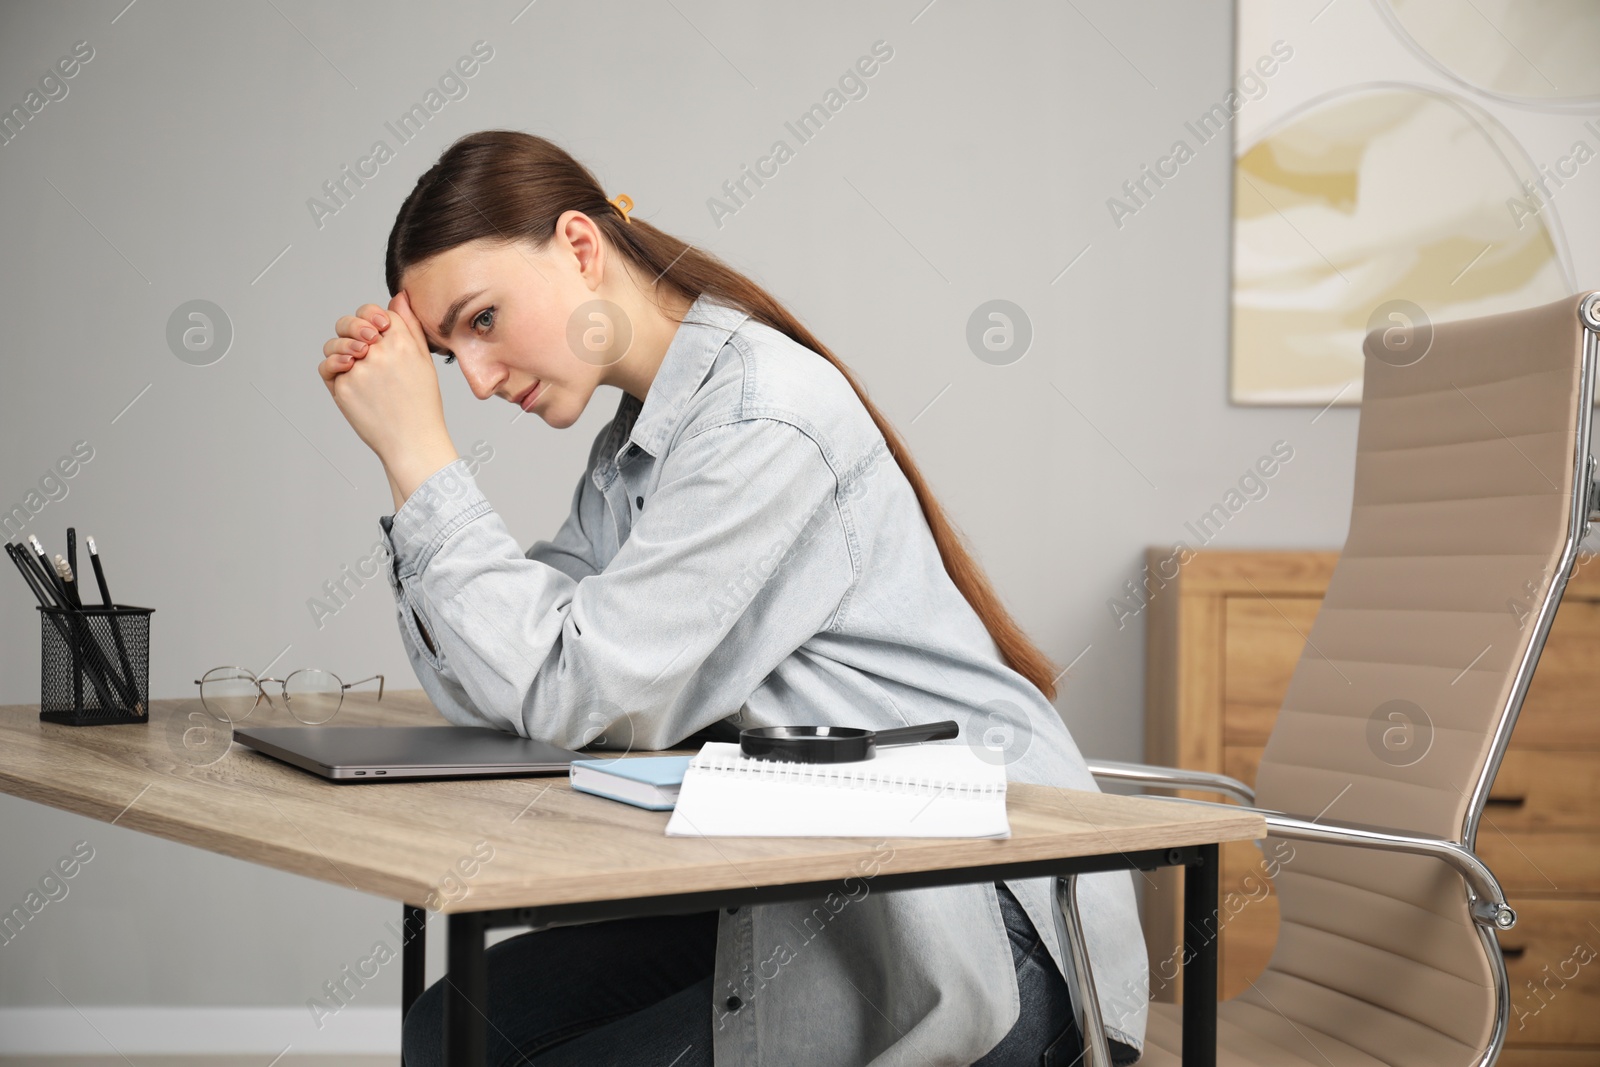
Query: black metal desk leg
(1200, 918)
(413, 956)
(466, 985)
(413, 960)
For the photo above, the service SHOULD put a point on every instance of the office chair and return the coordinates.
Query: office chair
(1473, 487)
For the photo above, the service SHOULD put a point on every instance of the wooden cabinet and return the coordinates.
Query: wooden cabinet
(1224, 632)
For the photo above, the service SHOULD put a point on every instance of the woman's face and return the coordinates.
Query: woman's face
(502, 310)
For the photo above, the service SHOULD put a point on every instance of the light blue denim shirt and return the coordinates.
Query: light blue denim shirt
(742, 551)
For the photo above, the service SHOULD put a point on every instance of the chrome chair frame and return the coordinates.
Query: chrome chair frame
(1486, 899)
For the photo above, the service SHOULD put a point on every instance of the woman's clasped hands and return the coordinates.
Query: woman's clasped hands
(379, 371)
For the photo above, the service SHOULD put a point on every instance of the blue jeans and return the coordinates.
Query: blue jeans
(637, 992)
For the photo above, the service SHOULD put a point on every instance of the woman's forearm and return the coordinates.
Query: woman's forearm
(394, 489)
(421, 461)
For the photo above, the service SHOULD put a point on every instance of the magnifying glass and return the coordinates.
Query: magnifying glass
(835, 744)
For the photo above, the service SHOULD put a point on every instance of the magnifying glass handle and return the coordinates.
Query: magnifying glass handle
(909, 735)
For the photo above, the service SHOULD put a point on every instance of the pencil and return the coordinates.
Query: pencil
(46, 592)
(81, 631)
(91, 646)
(116, 628)
(48, 570)
(68, 582)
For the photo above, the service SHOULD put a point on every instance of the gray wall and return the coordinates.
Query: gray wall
(977, 166)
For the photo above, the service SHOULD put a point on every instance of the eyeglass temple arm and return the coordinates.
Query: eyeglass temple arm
(258, 681)
(379, 677)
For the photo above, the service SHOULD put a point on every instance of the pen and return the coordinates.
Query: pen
(72, 555)
(116, 629)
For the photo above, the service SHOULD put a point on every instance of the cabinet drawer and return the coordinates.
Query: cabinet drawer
(1541, 789)
(1262, 641)
(1553, 964)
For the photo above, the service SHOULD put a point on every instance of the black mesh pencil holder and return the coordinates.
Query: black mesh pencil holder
(95, 666)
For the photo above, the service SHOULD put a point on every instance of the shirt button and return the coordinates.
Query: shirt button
(633, 450)
(734, 1003)
(639, 500)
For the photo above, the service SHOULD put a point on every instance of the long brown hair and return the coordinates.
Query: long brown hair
(509, 185)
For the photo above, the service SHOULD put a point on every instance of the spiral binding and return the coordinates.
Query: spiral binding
(845, 776)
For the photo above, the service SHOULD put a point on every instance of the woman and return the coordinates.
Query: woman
(740, 551)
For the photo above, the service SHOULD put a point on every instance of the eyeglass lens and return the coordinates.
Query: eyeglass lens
(313, 695)
(231, 694)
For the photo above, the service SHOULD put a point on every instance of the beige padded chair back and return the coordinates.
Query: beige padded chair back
(1412, 676)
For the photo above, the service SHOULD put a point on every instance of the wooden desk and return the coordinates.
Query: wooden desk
(558, 856)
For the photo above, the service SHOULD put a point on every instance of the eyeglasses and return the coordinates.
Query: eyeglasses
(312, 696)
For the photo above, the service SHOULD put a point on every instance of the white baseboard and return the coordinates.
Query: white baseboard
(196, 1031)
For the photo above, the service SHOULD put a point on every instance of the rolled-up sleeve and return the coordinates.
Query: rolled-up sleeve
(436, 675)
(739, 556)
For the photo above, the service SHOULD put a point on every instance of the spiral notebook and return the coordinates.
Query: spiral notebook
(926, 790)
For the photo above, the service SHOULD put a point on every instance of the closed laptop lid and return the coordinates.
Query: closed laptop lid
(364, 753)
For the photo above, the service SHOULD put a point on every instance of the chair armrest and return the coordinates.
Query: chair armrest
(1172, 778)
(1489, 907)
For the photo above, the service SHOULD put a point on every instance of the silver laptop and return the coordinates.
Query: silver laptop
(383, 753)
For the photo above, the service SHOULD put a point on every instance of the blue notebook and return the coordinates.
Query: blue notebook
(644, 781)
